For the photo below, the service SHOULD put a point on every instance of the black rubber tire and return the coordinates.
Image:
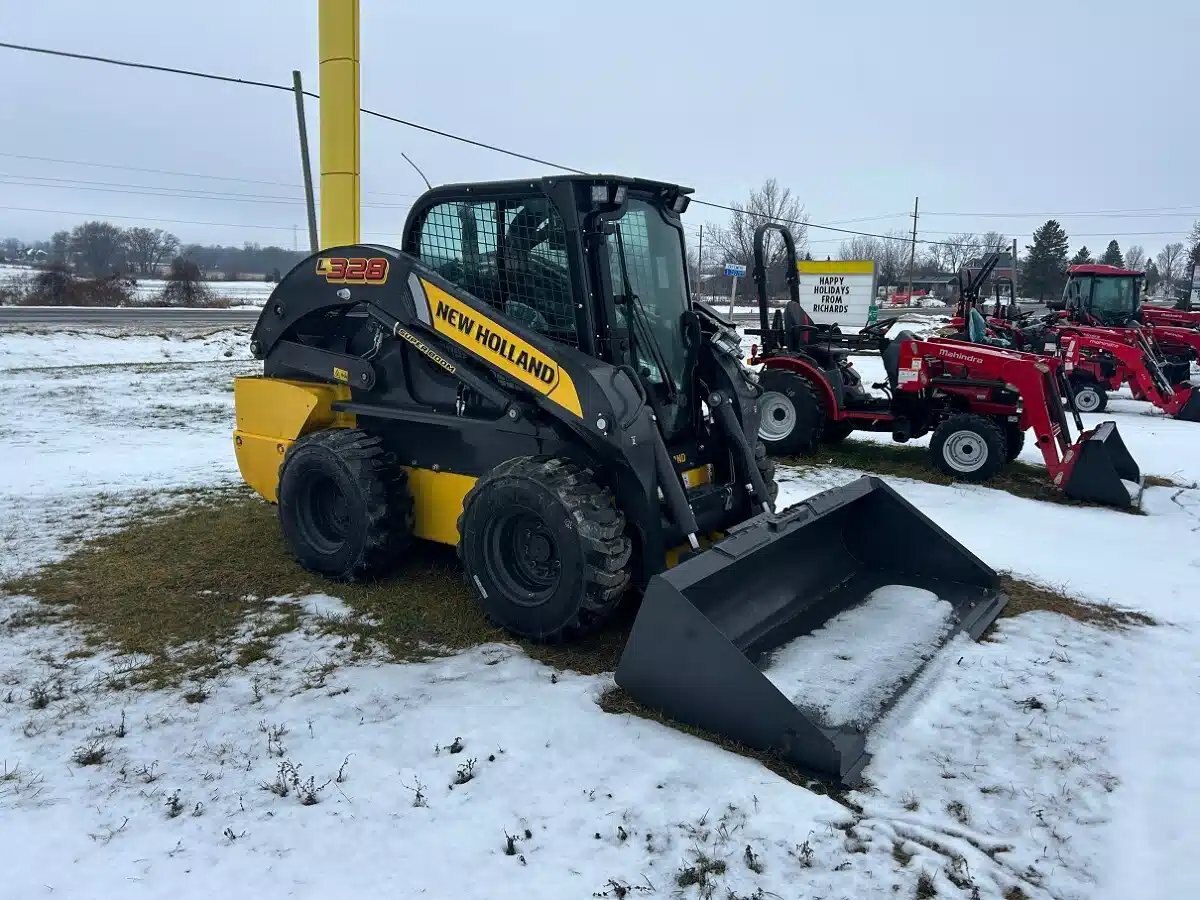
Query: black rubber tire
(578, 561)
(766, 468)
(1094, 397)
(836, 432)
(968, 447)
(1014, 441)
(790, 395)
(344, 506)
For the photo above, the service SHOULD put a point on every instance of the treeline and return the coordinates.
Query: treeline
(98, 248)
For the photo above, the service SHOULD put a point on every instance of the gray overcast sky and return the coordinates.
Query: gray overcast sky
(1046, 107)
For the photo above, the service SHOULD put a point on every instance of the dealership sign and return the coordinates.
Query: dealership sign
(837, 292)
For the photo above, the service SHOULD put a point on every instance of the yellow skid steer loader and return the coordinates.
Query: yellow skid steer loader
(529, 380)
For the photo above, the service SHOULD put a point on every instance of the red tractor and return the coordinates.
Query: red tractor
(978, 400)
(1108, 345)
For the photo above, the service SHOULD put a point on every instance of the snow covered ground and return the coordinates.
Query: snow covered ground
(1054, 760)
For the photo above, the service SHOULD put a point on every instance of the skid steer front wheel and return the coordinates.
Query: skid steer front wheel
(344, 509)
(969, 447)
(544, 548)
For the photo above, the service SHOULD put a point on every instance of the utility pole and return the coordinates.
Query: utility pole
(912, 255)
(1014, 277)
(700, 263)
(309, 202)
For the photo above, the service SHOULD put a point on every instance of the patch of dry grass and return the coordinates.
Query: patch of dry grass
(1024, 596)
(1017, 478)
(177, 584)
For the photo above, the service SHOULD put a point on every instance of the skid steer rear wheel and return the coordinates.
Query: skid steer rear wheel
(791, 417)
(344, 509)
(544, 547)
(969, 447)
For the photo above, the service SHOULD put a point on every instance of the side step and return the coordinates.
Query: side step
(799, 631)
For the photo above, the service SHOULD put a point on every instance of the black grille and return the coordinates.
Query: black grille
(512, 254)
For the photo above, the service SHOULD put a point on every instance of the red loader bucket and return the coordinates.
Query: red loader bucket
(798, 631)
(1104, 470)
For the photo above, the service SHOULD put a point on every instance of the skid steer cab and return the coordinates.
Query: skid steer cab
(527, 379)
(978, 399)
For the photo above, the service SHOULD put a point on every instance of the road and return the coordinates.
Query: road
(72, 316)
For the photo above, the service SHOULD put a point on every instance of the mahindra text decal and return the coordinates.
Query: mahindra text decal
(961, 357)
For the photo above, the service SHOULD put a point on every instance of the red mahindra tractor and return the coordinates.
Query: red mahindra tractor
(1107, 344)
(977, 399)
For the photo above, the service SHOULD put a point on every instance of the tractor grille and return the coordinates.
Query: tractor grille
(512, 254)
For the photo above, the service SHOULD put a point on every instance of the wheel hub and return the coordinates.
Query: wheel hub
(777, 416)
(523, 556)
(966, 451)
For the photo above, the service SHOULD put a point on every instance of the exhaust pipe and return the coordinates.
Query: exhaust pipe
(1104, 471)
(798, 632)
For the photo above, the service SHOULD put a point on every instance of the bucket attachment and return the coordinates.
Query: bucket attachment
(797, 632)
(1190, 397)
(1104, 471)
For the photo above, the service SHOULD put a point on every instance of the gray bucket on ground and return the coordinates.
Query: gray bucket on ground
(1105, 471)
(725, 640)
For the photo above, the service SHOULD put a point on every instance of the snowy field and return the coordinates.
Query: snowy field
(1055, 760)
(148, 291)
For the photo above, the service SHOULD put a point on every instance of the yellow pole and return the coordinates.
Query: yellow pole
(337, 26)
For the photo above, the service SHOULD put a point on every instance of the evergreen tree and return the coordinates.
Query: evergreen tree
(1083, 257)
(1046, 264)
(1112, 255)
(1152, 276)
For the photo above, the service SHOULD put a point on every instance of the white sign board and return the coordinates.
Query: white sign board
(732, 270)
(1196, 287)
(837, 292)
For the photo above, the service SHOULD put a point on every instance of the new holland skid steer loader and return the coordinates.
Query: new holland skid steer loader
(528, 380)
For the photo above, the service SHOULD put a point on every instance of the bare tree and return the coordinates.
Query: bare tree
(1170, 263)
(860, 247)
(1135, 257)
(145, 248)
(734, 243)
(994, 242)
(98, 247)
(961, 249)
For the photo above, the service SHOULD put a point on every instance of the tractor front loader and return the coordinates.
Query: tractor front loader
(978, 400)
(526, 379)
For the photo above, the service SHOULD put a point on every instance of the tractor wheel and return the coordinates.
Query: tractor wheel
(344, 508)
(1090, 397)
(791, 417)
(766, 468)
(969, 447)
(544, 547)
(1014, 440)
(836, 432)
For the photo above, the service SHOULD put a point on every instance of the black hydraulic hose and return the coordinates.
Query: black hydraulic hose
(744, 459)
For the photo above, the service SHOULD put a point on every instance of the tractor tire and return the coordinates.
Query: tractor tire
(968, 447)
(791, 415)
(766, 468)
(544, 548)
(1014, 441)
(1090, 397)
(836, 432)
(344, 507)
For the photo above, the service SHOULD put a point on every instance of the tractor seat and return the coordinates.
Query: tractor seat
(977, 331)
(891, 356)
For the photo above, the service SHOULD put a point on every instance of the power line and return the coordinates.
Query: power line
(406, 122)
(100, 165)
(1118, 213)
(113, 187)
(94, 215)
